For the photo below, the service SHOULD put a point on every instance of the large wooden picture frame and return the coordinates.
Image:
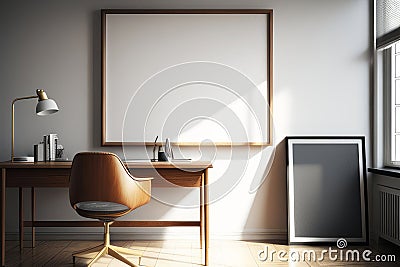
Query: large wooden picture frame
(179, 73)
(326, 189)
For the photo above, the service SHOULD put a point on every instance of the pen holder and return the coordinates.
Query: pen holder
(162, 156)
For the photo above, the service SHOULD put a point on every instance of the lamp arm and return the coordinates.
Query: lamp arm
(23, 98)
(12, 121)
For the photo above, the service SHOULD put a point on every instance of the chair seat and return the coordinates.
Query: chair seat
(101, 210)
(101, 206)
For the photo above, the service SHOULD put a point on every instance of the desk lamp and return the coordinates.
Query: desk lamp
(45, 106)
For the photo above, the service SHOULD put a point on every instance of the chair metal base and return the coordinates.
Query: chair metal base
(106, 249)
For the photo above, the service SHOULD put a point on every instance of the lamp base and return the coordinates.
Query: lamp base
(23, 159)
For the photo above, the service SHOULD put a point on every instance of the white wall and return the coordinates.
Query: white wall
(321, 87)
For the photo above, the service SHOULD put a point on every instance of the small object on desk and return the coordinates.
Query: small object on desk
(174, 160)
(52, 146)
(62, 160)
(59, 151)
(23, 159)
(154, 149)
(38, 152)
(46, 147)
(161, 154)
(140, 160)
(168, 149)
(170, 153)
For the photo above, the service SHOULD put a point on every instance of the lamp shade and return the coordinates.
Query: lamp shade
(46, 107)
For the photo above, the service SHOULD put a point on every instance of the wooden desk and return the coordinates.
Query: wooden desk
(56, 174)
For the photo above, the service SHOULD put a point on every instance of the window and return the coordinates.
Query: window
(388, 80)
(392, 87)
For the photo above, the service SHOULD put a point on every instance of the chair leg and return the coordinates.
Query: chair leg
(88, 250)
(118, 256)
(124, 250)
(106, 248)
(84, 253)
(101, 252)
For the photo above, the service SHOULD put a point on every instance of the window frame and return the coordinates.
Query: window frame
(389, 85)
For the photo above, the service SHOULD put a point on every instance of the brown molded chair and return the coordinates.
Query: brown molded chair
(102, 188)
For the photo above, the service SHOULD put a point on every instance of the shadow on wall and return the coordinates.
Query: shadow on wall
(269, 209)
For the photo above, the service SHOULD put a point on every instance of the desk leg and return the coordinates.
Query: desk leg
(33, 210)
(201, 211)
(21, 218)
(206, 229)
(3, 216)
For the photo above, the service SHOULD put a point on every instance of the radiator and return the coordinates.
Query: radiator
(389, 203)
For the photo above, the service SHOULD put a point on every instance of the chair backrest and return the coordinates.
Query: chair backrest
(101, 176)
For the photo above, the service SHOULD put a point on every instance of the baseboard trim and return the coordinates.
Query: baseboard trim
(273, 234)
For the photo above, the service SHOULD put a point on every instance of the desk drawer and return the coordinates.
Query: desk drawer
(170, 177)
(38, 177)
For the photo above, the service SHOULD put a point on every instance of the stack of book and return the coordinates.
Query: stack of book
(48, 149)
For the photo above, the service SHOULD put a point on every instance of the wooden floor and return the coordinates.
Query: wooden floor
(174, 253)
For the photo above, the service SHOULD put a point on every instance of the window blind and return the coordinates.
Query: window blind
(387, 22)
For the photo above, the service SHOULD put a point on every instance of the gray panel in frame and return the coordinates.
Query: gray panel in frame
(326, 190)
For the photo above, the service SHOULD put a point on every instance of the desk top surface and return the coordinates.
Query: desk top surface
(129, 164)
